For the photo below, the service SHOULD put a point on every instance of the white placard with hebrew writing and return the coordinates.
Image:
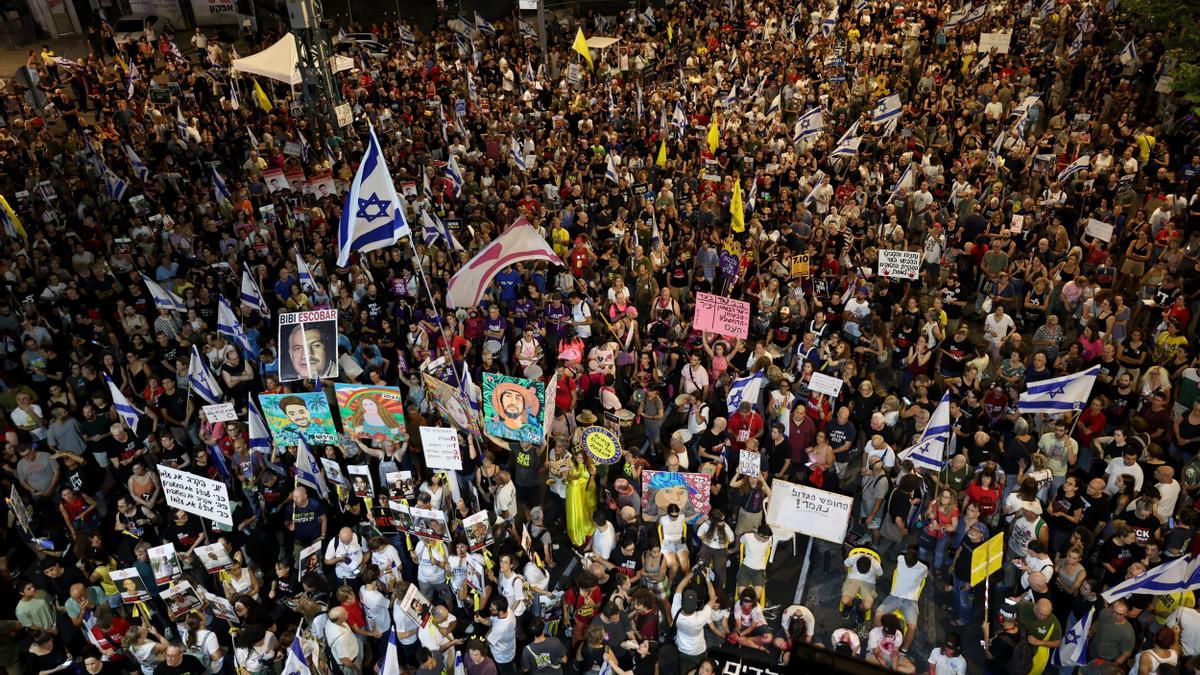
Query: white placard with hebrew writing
(221, 412)
(830, 386)
(441, 448)
(1000, 41)
(903, 264)
(1099, 229)
(199, 496)
(817, 513)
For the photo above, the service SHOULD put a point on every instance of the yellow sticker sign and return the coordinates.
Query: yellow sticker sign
(799, 265)
(987, 558)
(601, 444)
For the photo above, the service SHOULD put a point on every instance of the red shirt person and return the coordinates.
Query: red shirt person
(744, 425)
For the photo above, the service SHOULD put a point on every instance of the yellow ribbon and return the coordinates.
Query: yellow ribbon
(487, 560)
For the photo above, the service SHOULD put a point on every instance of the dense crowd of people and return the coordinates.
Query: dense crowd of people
(1049, 185)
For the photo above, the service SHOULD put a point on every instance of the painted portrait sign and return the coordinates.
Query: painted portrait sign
(374, 413)
(292, 416)
(660, 489)
(513, 407)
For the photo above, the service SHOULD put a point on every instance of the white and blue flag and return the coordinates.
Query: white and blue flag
(1180, 574)
(930, 449)
(163, 298)
(775, 105)
(229, 326)
(887, 108)
(406, 37)
(484, 26)
(133, 77)
(818, 181)
(648, 17)
(610, 170)
(220, 187)
(201, 379)
(1128, 54)
(1083, 162)
(1073, 650)
(139, 167)
(454, 174)
(829, 22)
(391, 656)
(114, 185)
(526, 29)
(296, 664)
(252, 297)
(1059, 394)
(307, 471)
(517, 154)
(260, 435)
(808, 124)
(308, 283)
(373, 217)
(433, 229)
(679, 119)
(745, 389)
(906, 182)
(128, 413)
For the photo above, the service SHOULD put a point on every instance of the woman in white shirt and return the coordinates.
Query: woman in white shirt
(255, 649)
(240, 581)
(672, 531)
(511, 585)
(387, 559)
(202, 643)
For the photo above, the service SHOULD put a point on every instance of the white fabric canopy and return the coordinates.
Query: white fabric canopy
(281, 61)
(600, 42)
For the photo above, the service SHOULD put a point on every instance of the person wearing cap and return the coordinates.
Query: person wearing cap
(948, 659)
(691, 617)
(1026, 527)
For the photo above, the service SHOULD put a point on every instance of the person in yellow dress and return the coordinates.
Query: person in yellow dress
(581, 499)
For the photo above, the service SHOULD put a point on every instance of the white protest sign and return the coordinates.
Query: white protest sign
(810, 511)
(1099, 229)
(199, 496)
(221, 412)
(905, 264)
(750, 463)
(1017, 222)
(830, 386)
(441, 448)
(1000, 41)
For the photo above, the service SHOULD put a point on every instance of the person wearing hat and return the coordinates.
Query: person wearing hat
(1026, 527)
(1008, 650)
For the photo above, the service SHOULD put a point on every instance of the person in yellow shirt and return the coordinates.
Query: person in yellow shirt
(1145, 143)
(559, 239)
(48, 62)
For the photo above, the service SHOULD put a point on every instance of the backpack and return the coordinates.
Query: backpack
(1021, 661)
(197, 650)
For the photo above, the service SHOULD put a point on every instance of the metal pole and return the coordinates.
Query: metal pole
(541, 27)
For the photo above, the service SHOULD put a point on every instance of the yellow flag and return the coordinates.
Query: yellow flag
(671, 31)
(737, 213)
(260, 97)
(580, 45)
(662, 154)
(11, 218)
(121, 63)
(714, 135)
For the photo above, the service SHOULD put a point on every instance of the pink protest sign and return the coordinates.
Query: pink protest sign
(721, 315)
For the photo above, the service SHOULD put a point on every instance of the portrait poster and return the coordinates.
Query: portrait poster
(165, 563)
(373, 413)
(428, 524)
(181, 599)
(333, 472)
(478, 529)
(276, 181)
(214, 557)
(360, 481)
(513, 407)
(309, 560)
(129, 582)
(401, 515)
(291, 417)
(415, 605)
(321, 185)
(308, 345)
(453, 404)
(400, 485)
(660, 489)
(222, 608)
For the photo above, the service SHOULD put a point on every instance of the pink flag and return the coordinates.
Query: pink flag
(519, 243)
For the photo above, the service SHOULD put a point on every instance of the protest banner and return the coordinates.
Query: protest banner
(601, 444)
(999, 41)
(987, 558)
(830, 386)
(199, 496)
(816, 513)
(1100, 229)
(799, 266)
(221, 412)
(904, 264)
(441, 448)
(750, 463)
(308, 345)
(721, 315)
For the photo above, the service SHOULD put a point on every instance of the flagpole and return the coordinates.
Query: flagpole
(433, 304)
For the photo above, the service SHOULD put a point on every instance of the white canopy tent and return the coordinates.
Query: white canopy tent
(281, 61)
(601, 42)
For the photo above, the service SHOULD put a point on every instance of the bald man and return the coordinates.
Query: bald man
(1168, 492)
(305, 519)
(1045, 633)
(343, 644)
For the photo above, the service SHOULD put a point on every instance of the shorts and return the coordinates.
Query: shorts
(674, 547)
(530, 496)
(750, 577)
(908, 608)
(858, 588)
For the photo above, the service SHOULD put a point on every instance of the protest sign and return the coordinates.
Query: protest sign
(799, 266)
(999, 41)
(750, 463)
(830, 386)
(904, 264)
(441, 448)
(199, 496)
(810, 511)
(1099, 229)
(601, 444)
(987, 558)
(165, 563)
(221, 412)
(721, 315)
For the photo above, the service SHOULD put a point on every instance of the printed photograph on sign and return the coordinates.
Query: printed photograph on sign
(308, 345)
(165, 563)
(690, 491)
(181, 599)
(453, 404)
(374, 413)
(294, 416)
(401, 485)
(478, 529)
(360, 481)
(401, 515)
(214, 557)
(130, 584)
(309, 560)
(333, 473)
(276, 181)
(415, 605)
(321, 186)
(222, 608)
(513, 407)
(429, 524)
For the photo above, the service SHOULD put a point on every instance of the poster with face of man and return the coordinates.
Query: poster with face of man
(690, 491)
(513, 407)
(181, 599)
(360, 481)
(372, 413)
(478, 530)
(453, 404)
(165, 563)
(129, 582)
(308, 345)
(291, 417)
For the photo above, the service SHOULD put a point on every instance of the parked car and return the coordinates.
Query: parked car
(346, 44)
(131, 28)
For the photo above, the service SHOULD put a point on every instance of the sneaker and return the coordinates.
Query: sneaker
(847, 611)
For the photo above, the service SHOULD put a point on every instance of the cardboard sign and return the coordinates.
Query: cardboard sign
(199, 496)
(987, 558)
(799, 266)
(441, 448)
(221, 412)
(810, 511)
(999, 41)
(750, 463)
(1017, 223)
(903, 264)
(1100, 229)
(721, 315)
(830, 386)
(730, 264)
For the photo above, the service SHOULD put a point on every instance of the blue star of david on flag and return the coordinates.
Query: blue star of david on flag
(381, 208)
(371, 223)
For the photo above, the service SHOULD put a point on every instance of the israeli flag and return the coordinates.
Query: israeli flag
(303, 145)
(307, 471)
(308, 283)
(1129, 54)
(220, 188)
(731, 97)
(930, 449)
(1075, 167)
(454, 175)
(648, 17)
(518, 155)
(233, 97)
(181, 124)
(471, 91)
(406, 37)
(982, 64)
(679, 119)
(484, 26)
(776, 104)
(1181, 574)
(1076, 46)
(957, 16)
(1059, 394)
(639, 100)
(128, 413)
(433, 229)
(296, 664)
(260, 436)
(830, 22)
(977, 13)
(847, 148)
(201, 379)
(133, 77)
(610, 170)
(808, 124)
(745, 389)
(529, 76)
(139, 167)
(905, 182)
(887, 108)
(391, 656)
(252, 297)
(163, 298)
(113, 184)
(425, 188)
(373, 217)
(1073, 650)
(525, 29)
(229, 326)
(819, 180)
(752, 196)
